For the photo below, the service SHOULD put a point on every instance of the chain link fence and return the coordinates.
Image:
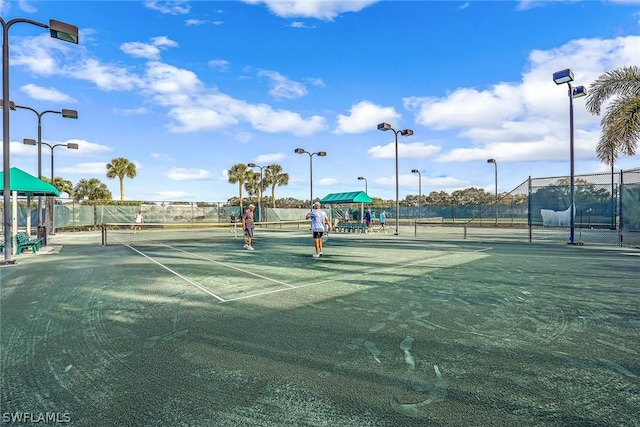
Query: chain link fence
(606, 209)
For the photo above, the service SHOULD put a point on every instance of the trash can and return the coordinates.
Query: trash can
(42, 234)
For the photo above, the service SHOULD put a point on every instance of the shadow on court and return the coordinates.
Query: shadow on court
(382, 330)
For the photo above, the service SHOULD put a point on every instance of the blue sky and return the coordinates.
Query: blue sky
(188, 89)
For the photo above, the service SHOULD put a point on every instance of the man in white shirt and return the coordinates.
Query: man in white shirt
(319, 222)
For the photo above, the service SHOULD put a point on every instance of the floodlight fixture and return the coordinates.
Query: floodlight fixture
(563, 76)
(63, 31)
(69, 114)
(12, 105)
(384, 126)
(579, 92)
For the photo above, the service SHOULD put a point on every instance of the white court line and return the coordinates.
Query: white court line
(347, 276)
(233, 267)
(214, 261)
(197, 285)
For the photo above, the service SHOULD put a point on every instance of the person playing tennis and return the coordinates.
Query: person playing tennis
(319, 221)
(247, 227)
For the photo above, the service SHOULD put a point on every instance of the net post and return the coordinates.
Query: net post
(415, 228)
(465, 231)
(103, 234)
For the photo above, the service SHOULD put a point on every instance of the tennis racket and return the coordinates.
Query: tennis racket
(325, 235)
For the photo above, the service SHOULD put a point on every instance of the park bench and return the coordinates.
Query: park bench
(350, 227)
(23, 241)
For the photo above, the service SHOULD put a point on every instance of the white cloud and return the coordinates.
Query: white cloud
(190, 22)
(46, 94)
(364, 116)
(105, 77)
(176, 7)
(282, 87)
(267, 159)
(145, 50)
(325, 10)
(417, 150)
(92, 168)
(219, 64)
(184, 174)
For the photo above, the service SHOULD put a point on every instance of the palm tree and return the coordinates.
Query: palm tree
(95, 191)
(621, 120)
(237, 175)
(252, 182)
(63, 185)
(275, 177)
(121, 167)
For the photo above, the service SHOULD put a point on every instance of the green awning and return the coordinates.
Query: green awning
(350, 197)
(27, 185)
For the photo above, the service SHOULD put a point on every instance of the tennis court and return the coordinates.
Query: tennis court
(176, 328)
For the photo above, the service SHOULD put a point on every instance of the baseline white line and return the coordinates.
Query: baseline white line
(197, 285)
(231, 267)
(347, 276)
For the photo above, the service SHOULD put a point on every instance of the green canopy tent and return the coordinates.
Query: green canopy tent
(27, 185)
(348, 197)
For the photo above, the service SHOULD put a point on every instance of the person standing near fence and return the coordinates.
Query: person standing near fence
(383, 218)
(319, 223)
(137, 222)
(247, 227)
(367, 221)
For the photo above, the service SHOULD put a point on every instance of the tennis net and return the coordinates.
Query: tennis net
(161, 233)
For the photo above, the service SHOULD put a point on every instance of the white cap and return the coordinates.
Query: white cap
(317, 204)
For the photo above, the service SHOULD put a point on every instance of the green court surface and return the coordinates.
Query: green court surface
(165, 328)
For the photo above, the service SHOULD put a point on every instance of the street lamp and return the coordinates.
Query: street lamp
(253, 165)
(67, 114)
(70, 145)
(404, 132)
(561, 77)
(366, 190)
(58, 30)
(362, 178)
(496, 182)
(319, 154)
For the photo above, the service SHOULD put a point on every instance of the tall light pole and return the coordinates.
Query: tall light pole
(404, 132)
(67, 114)
(58, 30)
(366, 190)
(495, 164)
(253, 165)
(70, 145)
(561, 77)
(319, 154)
(419, 189)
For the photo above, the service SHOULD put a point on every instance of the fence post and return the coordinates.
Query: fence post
(529, 208)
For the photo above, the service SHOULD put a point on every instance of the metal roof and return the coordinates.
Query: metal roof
(349, 197)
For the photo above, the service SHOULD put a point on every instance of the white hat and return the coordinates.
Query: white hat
(317, 204)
